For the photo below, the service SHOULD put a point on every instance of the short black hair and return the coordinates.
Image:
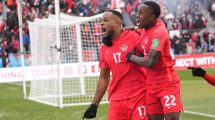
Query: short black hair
(154, 7)
(117, 13)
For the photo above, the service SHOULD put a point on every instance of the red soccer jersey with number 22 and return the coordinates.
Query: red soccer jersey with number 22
(157, 38)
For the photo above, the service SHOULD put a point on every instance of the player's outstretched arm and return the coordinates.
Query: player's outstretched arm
(198, 71)
(210, 79)
(149, 62)
(102, 85)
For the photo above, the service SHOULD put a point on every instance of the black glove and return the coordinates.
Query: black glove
(128, 56)
(140, 55)
(90, 112)
(197, 71)
(133, 52)
(107, 41)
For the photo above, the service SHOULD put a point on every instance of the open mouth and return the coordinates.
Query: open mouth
(138, 22)
(104, 32)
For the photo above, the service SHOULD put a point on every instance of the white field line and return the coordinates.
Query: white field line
(200, 114)
(197, 113)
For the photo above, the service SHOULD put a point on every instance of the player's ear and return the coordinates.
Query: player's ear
(117, 21)
(152, 17)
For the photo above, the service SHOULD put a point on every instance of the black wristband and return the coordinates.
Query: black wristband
(93, 105)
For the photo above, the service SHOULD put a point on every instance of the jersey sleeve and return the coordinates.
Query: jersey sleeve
(159, 37)
(102, 62)
(210, 79)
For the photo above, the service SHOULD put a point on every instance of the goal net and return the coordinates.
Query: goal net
(75, 79)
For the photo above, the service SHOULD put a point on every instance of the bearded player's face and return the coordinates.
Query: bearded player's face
(107, 24)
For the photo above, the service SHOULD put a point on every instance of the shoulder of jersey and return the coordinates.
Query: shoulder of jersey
(103, 47)
(160, 30)
(137, 31)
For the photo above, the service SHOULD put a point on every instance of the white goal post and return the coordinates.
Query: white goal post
(80, 39)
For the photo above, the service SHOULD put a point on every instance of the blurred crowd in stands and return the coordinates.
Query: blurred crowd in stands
(186, 17)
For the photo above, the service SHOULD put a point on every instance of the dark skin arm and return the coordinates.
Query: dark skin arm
(102, 85)
(150, 61)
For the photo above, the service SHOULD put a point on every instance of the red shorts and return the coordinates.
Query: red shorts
(129, 109)
(164, 98)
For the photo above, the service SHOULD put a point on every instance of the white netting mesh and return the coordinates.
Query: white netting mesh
(43, 40)
(80, 41)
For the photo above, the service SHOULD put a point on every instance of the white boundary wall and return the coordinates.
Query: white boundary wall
(44, 72)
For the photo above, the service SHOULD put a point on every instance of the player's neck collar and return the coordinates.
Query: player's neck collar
(151, 25)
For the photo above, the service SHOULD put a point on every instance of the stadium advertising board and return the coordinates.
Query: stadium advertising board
(202, 60)
(47, 72)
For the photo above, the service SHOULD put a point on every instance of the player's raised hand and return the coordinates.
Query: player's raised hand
(140, 55)
(129, 54)
(197, 71)
(90, 112)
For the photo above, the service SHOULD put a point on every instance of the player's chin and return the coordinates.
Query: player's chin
(140, 25)
(104, 34)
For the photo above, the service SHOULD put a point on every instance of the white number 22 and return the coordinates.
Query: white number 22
(170, 100)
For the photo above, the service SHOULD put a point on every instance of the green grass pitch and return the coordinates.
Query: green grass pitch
(197, 95)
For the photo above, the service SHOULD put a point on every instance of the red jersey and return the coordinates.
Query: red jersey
(157, 38)
(128, 79)
(210, 79)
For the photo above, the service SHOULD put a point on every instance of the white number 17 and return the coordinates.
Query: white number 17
(116, 57)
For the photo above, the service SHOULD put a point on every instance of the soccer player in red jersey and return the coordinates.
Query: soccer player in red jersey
(198, 71)
(127, 89)
(163, 84)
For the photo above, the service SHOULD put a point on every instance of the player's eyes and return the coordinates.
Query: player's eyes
(105, 20)
(140, 12)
